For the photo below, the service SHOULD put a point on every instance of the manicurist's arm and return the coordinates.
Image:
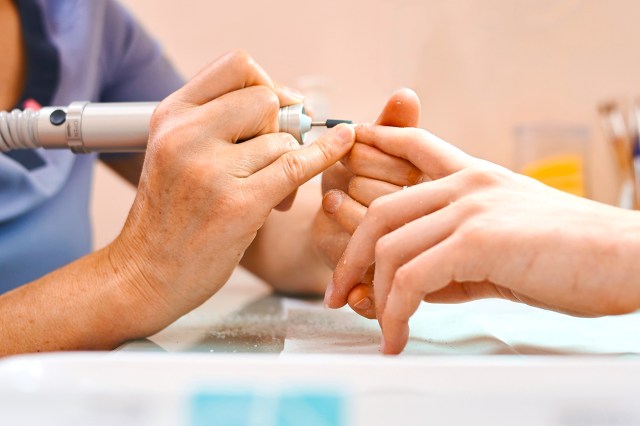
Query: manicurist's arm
(201, 200)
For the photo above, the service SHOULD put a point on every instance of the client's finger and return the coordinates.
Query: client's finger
(401, 110)
(343, 210)
(365, 190)
(368, 161)
(361, 300)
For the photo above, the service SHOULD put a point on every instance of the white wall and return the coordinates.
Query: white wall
(480, 67)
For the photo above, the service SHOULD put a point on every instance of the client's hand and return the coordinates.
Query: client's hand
(351, 185)
(478, 230)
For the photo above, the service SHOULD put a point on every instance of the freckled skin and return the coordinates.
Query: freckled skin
(202, 202)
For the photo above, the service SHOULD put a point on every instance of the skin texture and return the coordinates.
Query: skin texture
(201, 201)
(366, 173)
(475, 230)
(282, 255)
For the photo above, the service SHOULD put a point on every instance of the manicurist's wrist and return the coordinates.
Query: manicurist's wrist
(140, 295)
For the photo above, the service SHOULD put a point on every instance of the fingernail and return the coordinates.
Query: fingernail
(363, 304)
(343, 133)
(331, 201)
(328, 293)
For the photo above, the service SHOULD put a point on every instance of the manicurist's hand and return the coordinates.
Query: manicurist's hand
(478, 230)
(350, 186)
(201, 199)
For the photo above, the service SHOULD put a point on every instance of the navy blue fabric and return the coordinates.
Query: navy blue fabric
(29, 159)
(102, 55)
(43, 68)
(43, 63)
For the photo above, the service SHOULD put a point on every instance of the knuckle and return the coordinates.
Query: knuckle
(271, 101)
(160, 147)
(267, 96)
(378, 207)
(384, 248)
(473, 233)
(294, 166)
(402, 279)
(240, 58)
(471, 205)
(164, 141)
(326, 151)
(268, 103)
(163, 118)
(287, 140)
(483, 174)
(161, 113)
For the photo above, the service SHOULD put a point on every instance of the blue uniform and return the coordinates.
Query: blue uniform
(76, 50)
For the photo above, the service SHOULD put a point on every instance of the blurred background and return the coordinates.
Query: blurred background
(483, 69)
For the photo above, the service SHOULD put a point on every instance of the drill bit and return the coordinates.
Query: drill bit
(329, 123)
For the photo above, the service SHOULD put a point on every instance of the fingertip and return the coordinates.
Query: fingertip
(322, 154)
(331, 201)
(336, 294)
(401, 110)
(330, 299)
(361, 300)
(343, 134)
(406, 93)
(388, 348)
(404, 97)
(328, 294)
(394, 338)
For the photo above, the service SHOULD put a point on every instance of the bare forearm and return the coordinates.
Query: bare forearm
(283, 253)
(86, 305)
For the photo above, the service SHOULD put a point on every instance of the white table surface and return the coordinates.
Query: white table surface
(486, 362)
(246, 317)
